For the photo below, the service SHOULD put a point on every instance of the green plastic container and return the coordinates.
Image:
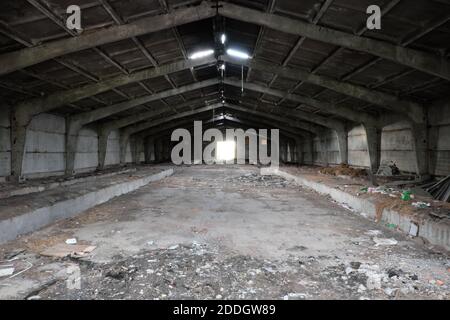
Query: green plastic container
(406, 195)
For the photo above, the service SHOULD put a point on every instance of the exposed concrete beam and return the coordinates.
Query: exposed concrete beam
(293, 122)
(414, 110)
(32, 107)
(20, 59)
(428, 63)
(358, 117)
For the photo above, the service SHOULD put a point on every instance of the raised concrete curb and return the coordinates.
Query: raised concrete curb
(437, 232)
(52, 185)
(38, 218)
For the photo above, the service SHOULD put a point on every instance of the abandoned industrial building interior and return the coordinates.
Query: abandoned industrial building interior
(233, 150)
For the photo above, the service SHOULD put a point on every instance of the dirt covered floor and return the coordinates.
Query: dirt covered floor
(216, 232)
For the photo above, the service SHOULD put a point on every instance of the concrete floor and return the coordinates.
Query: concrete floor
(225, 232)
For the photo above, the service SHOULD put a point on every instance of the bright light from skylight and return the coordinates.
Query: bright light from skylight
(226, 150)
(223, 38)
(238, 54)
(201, 54)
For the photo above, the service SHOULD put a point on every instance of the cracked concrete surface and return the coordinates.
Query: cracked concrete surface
(221, 232)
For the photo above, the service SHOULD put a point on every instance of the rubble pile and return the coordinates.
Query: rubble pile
(197, 271)
(343, 170)
(254, 179)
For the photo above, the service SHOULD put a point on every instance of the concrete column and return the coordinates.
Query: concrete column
(343, 146)
(72, 130)
(299, 150)
(149, 149)
(373, 146)
(19, 124)
(123, 141)
(420, 141)
(102, 147)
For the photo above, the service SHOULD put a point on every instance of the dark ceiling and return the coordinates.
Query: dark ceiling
(423, 25)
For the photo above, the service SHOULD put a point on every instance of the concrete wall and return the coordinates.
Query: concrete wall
(86, 158)
(326, 149)
(45, 146)
(113, 149)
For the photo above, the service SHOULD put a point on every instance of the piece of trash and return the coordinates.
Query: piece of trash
(406, 195)
(34, 298)
(71, 241)
(62, 250)
(173, 247)
(391, 225)
(413, 229)
(421, 205)
(150, 243)
(373, 232)
(384, 241)
(439, 282)
(6, 272)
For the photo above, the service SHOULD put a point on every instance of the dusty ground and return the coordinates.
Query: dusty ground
(225, 233)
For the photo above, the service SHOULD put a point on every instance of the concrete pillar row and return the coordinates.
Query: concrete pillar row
(373, 134)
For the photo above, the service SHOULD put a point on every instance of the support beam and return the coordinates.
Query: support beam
(373, 135)
(97, 114)
(410, 108)
(428, 63)
(52, 101)
(20, 59)
(344, 112)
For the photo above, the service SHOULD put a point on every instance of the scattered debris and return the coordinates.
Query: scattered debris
(388, 168)
(384, 241)
(421, 205)
(439, 190)
(257, 180)
(62, 250)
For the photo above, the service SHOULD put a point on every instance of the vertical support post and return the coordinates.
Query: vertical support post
(373, 134)
(72, 130)
(299, 146)
(343, 145)
(123, 142)
(420, 141)
(19, 124)
(103, 135)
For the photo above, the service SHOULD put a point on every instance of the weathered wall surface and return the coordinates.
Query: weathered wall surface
(45, 146)
(326, 149)
(357, 147)
(439, 138)
(5, 143)
(113, 149)
(86, 158)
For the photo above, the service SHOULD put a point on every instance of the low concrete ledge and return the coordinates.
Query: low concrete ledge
(437, 232)
(37, 218)
(27, 189)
